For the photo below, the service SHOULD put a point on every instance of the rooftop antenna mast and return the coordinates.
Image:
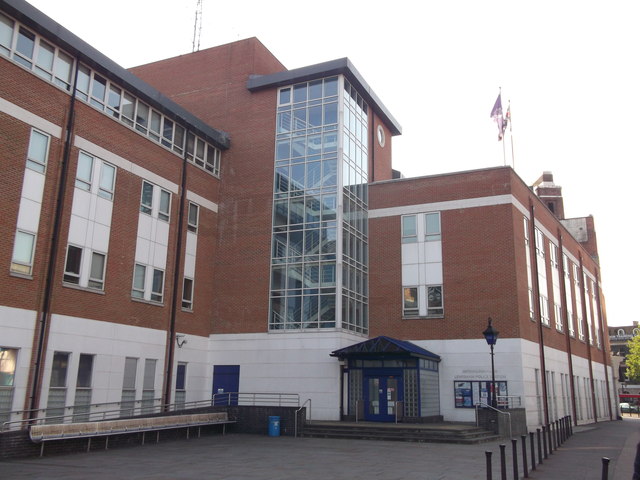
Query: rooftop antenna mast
(197, 27)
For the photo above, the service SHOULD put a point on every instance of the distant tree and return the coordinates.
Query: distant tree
(633, 360)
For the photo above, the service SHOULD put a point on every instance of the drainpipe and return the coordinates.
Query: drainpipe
(45, 313)
(605, 356)
(588, 338)
(175, 298)
(565, 321)
(536, 285)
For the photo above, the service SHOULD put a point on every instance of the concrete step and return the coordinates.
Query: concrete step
(436, 433)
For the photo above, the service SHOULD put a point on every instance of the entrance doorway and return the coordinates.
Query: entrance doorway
(226, 382)
(382, 394)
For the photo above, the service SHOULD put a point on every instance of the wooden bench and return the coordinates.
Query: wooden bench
(47, 433)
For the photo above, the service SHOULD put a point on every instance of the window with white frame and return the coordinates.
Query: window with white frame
(410, 301)
(58, 386)
(38, 151)
(409, 230)
(148, 385)
(8, 363)
(193, 217)
(90, 167)
(148, 204)
(128, 398)
(75, 274)
(434, 300)
(73, 264)
(432, 226)
(23, 247)
(146, 201)
(82, 402)
(181, 385)
(148, 283)
(187, 293)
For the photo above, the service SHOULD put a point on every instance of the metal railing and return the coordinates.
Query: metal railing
(295, 431)
(509, 401)
(98, 412)
(256, 399)
(501, 412)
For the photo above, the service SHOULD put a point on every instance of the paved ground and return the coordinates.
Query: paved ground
(240, 457)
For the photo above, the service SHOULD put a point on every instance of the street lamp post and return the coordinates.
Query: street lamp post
(491, 336)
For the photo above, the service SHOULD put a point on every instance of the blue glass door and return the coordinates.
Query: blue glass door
(381, 393)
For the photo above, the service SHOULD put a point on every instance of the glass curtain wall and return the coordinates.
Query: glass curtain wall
(305, 281)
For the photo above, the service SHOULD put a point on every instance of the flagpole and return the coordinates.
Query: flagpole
(513, 158)
(504, 153)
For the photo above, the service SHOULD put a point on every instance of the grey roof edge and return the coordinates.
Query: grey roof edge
(332, 67)
(47, 27)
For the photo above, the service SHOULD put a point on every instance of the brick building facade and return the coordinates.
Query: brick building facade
(215, 222)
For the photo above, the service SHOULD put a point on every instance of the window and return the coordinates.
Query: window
(24, 47)
(165, 204)
(59, 370)
(410, 301)
(146, 201)
(139, 274)
(432, 226)
(157, 285)
(192, 222)
(85, 370)
(96, 276)
(147, 198)
(148, 385)
(187, 293)
(72, 265)
(409, 234)
(6, 35)
(85, 171)
(181, 384)
(84, 176)
(434, 300)
(22, 258)
(38, 151)
(129, 387)
(151, 289)
(107, 180)
(8, 359)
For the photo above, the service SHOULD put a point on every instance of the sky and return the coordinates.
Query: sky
(568, 68)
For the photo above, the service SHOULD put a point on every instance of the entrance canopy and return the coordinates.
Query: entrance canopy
(384, 347)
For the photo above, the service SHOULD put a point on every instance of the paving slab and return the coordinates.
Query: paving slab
(246, 457)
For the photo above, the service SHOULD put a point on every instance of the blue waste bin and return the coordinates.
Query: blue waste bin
(274, 426)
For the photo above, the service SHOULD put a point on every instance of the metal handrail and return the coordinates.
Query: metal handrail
(257, 398)
(102, 414)
(482, 404)
(295, 430)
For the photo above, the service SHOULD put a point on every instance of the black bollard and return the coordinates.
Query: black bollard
(488, 457)
(570, 425)
(549, 437)
(605, 468)
(539, 445)
(503, 462)
(514, 452)
(558, 441)
(533, 451)
(544, 441)
(525, 469)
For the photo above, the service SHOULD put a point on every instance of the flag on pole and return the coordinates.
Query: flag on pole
(496, 114)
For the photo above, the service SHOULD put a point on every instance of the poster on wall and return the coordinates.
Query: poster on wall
(469, 393)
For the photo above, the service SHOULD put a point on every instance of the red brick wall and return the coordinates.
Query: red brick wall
(212, 84)
(484, 262)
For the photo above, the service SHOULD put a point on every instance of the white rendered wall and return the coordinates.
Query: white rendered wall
(288, 363)
(110, 343)
(17, 327)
